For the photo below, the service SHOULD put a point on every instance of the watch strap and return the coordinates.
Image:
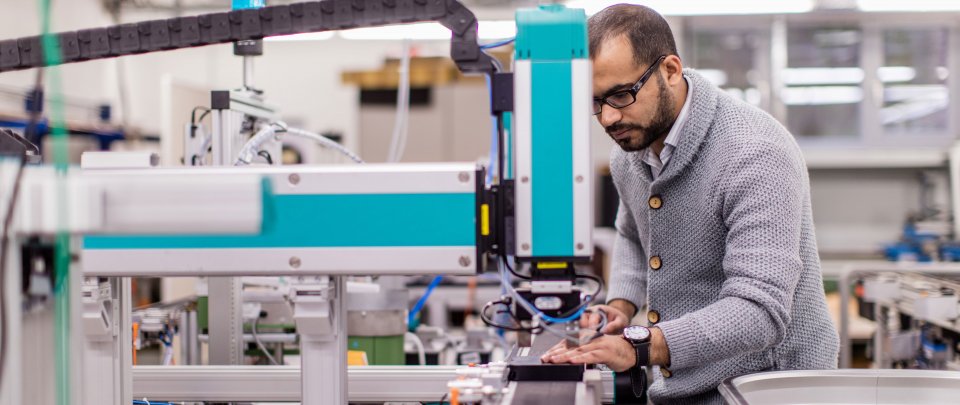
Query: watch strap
(630, 387)
(638, 382)
(643, 354)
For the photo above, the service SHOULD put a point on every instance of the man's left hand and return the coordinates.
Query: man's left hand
(612, 350)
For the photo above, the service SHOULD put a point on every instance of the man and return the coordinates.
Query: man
(714, 231)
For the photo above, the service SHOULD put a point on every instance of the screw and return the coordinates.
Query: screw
(464, 177)
(524, 179)
(525, 246)
(294, 179)
(464, 261)
(579, 179)
(579, 246)
(295, 262)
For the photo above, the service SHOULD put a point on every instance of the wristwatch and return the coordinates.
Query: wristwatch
(639, 337)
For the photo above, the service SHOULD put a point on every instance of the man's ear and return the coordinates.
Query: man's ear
(672, 70)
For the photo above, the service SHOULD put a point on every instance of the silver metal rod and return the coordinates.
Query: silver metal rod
(879, 334)
(264, 337)
(248, 72)
(282, 383)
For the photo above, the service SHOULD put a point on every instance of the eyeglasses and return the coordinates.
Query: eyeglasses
(624, 98)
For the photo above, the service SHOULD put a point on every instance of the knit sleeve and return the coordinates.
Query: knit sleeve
(628, 277)
(762, 207)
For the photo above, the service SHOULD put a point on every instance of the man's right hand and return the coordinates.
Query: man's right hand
(617, 318)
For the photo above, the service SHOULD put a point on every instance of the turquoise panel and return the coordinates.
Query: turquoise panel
(245, 4)
(552, 159)
(335, 220)
(551, 32)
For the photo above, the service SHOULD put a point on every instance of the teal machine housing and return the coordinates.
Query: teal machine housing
(552, 169)
(247, 4)
(424, 219)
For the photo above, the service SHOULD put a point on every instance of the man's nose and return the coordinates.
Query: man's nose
(608, 115)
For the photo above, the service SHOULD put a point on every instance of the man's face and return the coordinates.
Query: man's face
(638, 125)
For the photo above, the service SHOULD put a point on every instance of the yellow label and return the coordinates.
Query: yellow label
(356, 358)
(551, 265)
(485, 220)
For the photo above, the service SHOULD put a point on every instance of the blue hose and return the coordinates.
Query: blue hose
(497, 44)
(412, 321)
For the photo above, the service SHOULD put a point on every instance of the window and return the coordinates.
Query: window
(823, 81)
(914, 75)
(727, 58)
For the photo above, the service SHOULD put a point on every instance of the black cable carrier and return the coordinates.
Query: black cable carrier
(238, 25)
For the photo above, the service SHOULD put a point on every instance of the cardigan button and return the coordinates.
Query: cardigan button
(656, 263)
(665, 372)
(653, 316)
(656, 202)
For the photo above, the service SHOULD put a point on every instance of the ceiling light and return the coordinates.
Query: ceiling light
(487, 30)
(310, 36)
(703, 7)
(912, 5)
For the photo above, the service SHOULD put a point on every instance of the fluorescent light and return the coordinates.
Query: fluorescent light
(895, 74)
(703, 7)
(822, 95)
(487, 30)
(418, 31)
(310, 36)
(851, 75)
(912, 5)
(715, 76)
(810, 76)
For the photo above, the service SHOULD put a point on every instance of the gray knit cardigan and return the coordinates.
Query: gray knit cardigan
(738, 288)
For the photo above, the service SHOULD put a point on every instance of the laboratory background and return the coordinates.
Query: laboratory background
(341, 201)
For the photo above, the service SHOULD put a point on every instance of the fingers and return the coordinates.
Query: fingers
(556, 349)
(594, 357)
(614, 326)
(609, 350)
(589, 320)
(564, 356)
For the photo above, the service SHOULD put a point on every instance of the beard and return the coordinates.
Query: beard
(642, 136)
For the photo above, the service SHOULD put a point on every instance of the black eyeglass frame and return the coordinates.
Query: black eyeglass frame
(632, 91)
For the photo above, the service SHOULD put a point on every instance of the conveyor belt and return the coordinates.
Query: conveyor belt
(542, 343)
(545, 392)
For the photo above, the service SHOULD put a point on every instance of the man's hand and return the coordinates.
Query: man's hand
(616, 319)
(614, 351)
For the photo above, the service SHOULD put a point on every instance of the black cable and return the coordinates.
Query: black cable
(37, 96)
(193, 114)
(266, 155)
(595, 279)
(488, 322)
(204, 115)
(4, 249)
(510, 269)
(195, 122)
(444, 397)
(585, 303)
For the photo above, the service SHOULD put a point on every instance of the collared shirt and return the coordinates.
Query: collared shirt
(657, 163)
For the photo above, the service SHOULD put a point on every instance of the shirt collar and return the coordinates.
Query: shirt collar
(673, 137)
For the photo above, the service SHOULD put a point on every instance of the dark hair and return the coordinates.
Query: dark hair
(649, 33)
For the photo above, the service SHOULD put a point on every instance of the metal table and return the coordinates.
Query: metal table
(846, 386)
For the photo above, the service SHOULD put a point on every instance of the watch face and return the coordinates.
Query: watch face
(636, 333)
